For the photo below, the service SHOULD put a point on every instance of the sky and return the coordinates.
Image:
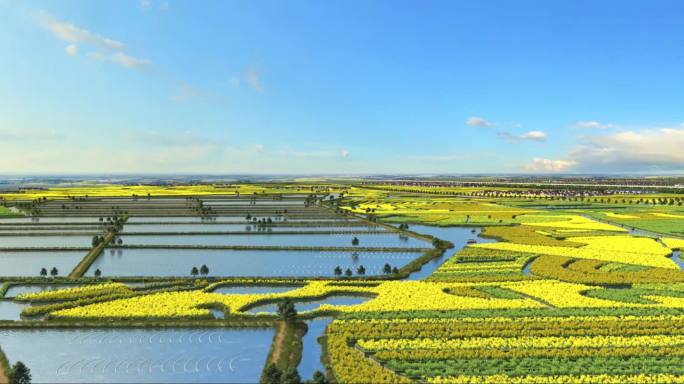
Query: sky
(341, 87)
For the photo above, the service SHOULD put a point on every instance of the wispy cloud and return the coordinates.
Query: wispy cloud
(475, 121)
(71, 50)
(591, 124)
(74, 35)
(530, 135)
(253, 77)
(122, 59)
(109, 49)
(344, 153)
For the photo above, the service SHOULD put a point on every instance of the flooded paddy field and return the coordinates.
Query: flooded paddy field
(16, 290)
(50, 220)
(197, 228)
(19, 241)
(10, 310)
(230, 219)
(285, 240)
(29, 263)
(179, 262)
(140, 355)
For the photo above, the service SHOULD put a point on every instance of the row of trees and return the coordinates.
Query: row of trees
(360, 270)
(53, 272)
(203, 270)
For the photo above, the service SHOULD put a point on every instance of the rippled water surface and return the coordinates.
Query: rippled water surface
(140, 356)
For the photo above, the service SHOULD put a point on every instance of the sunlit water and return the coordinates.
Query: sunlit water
(140, 356)
(240, 228)
(29, 263)
(179, 262)
(459, 236)
(309, 240)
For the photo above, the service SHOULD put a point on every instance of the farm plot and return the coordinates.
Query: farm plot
(274, 240)
(30, 263)
(140, 355)
(179, 262)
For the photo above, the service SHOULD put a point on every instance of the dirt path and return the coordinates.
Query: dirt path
(278, 342)
(3, 378)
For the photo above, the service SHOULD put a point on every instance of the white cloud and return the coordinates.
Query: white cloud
(590, 124)
(122, 59)
(635, 150)
(112, 50)
(534, 135)
(253, 78)
(547, 165)
(73, 34)
(530, 135)
(71, 50)
(344, 153)
(475, 121)
(145, 3)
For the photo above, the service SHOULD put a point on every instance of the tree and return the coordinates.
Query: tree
(361, 270)
(20, 374)
(98, 273)
(54, 271)
(194, 271)
(204, 270)
(348, 272)
(319, 378)
(119, 241)
(387, 269)
(43, 272)
(395, 270)
(338, 271)
(291, 377)
(287, 310)
(272, 374)
(96, 241)
(355, 241)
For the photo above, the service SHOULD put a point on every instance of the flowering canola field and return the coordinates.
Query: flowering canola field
(558, 298)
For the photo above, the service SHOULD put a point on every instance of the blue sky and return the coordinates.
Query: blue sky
(132, 86)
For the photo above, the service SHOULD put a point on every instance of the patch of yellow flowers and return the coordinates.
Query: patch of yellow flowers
(389, 296)
(558, 379)
(621, 249)
(673, 243)
(524, 342)
(572, 222)
(76, 292)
